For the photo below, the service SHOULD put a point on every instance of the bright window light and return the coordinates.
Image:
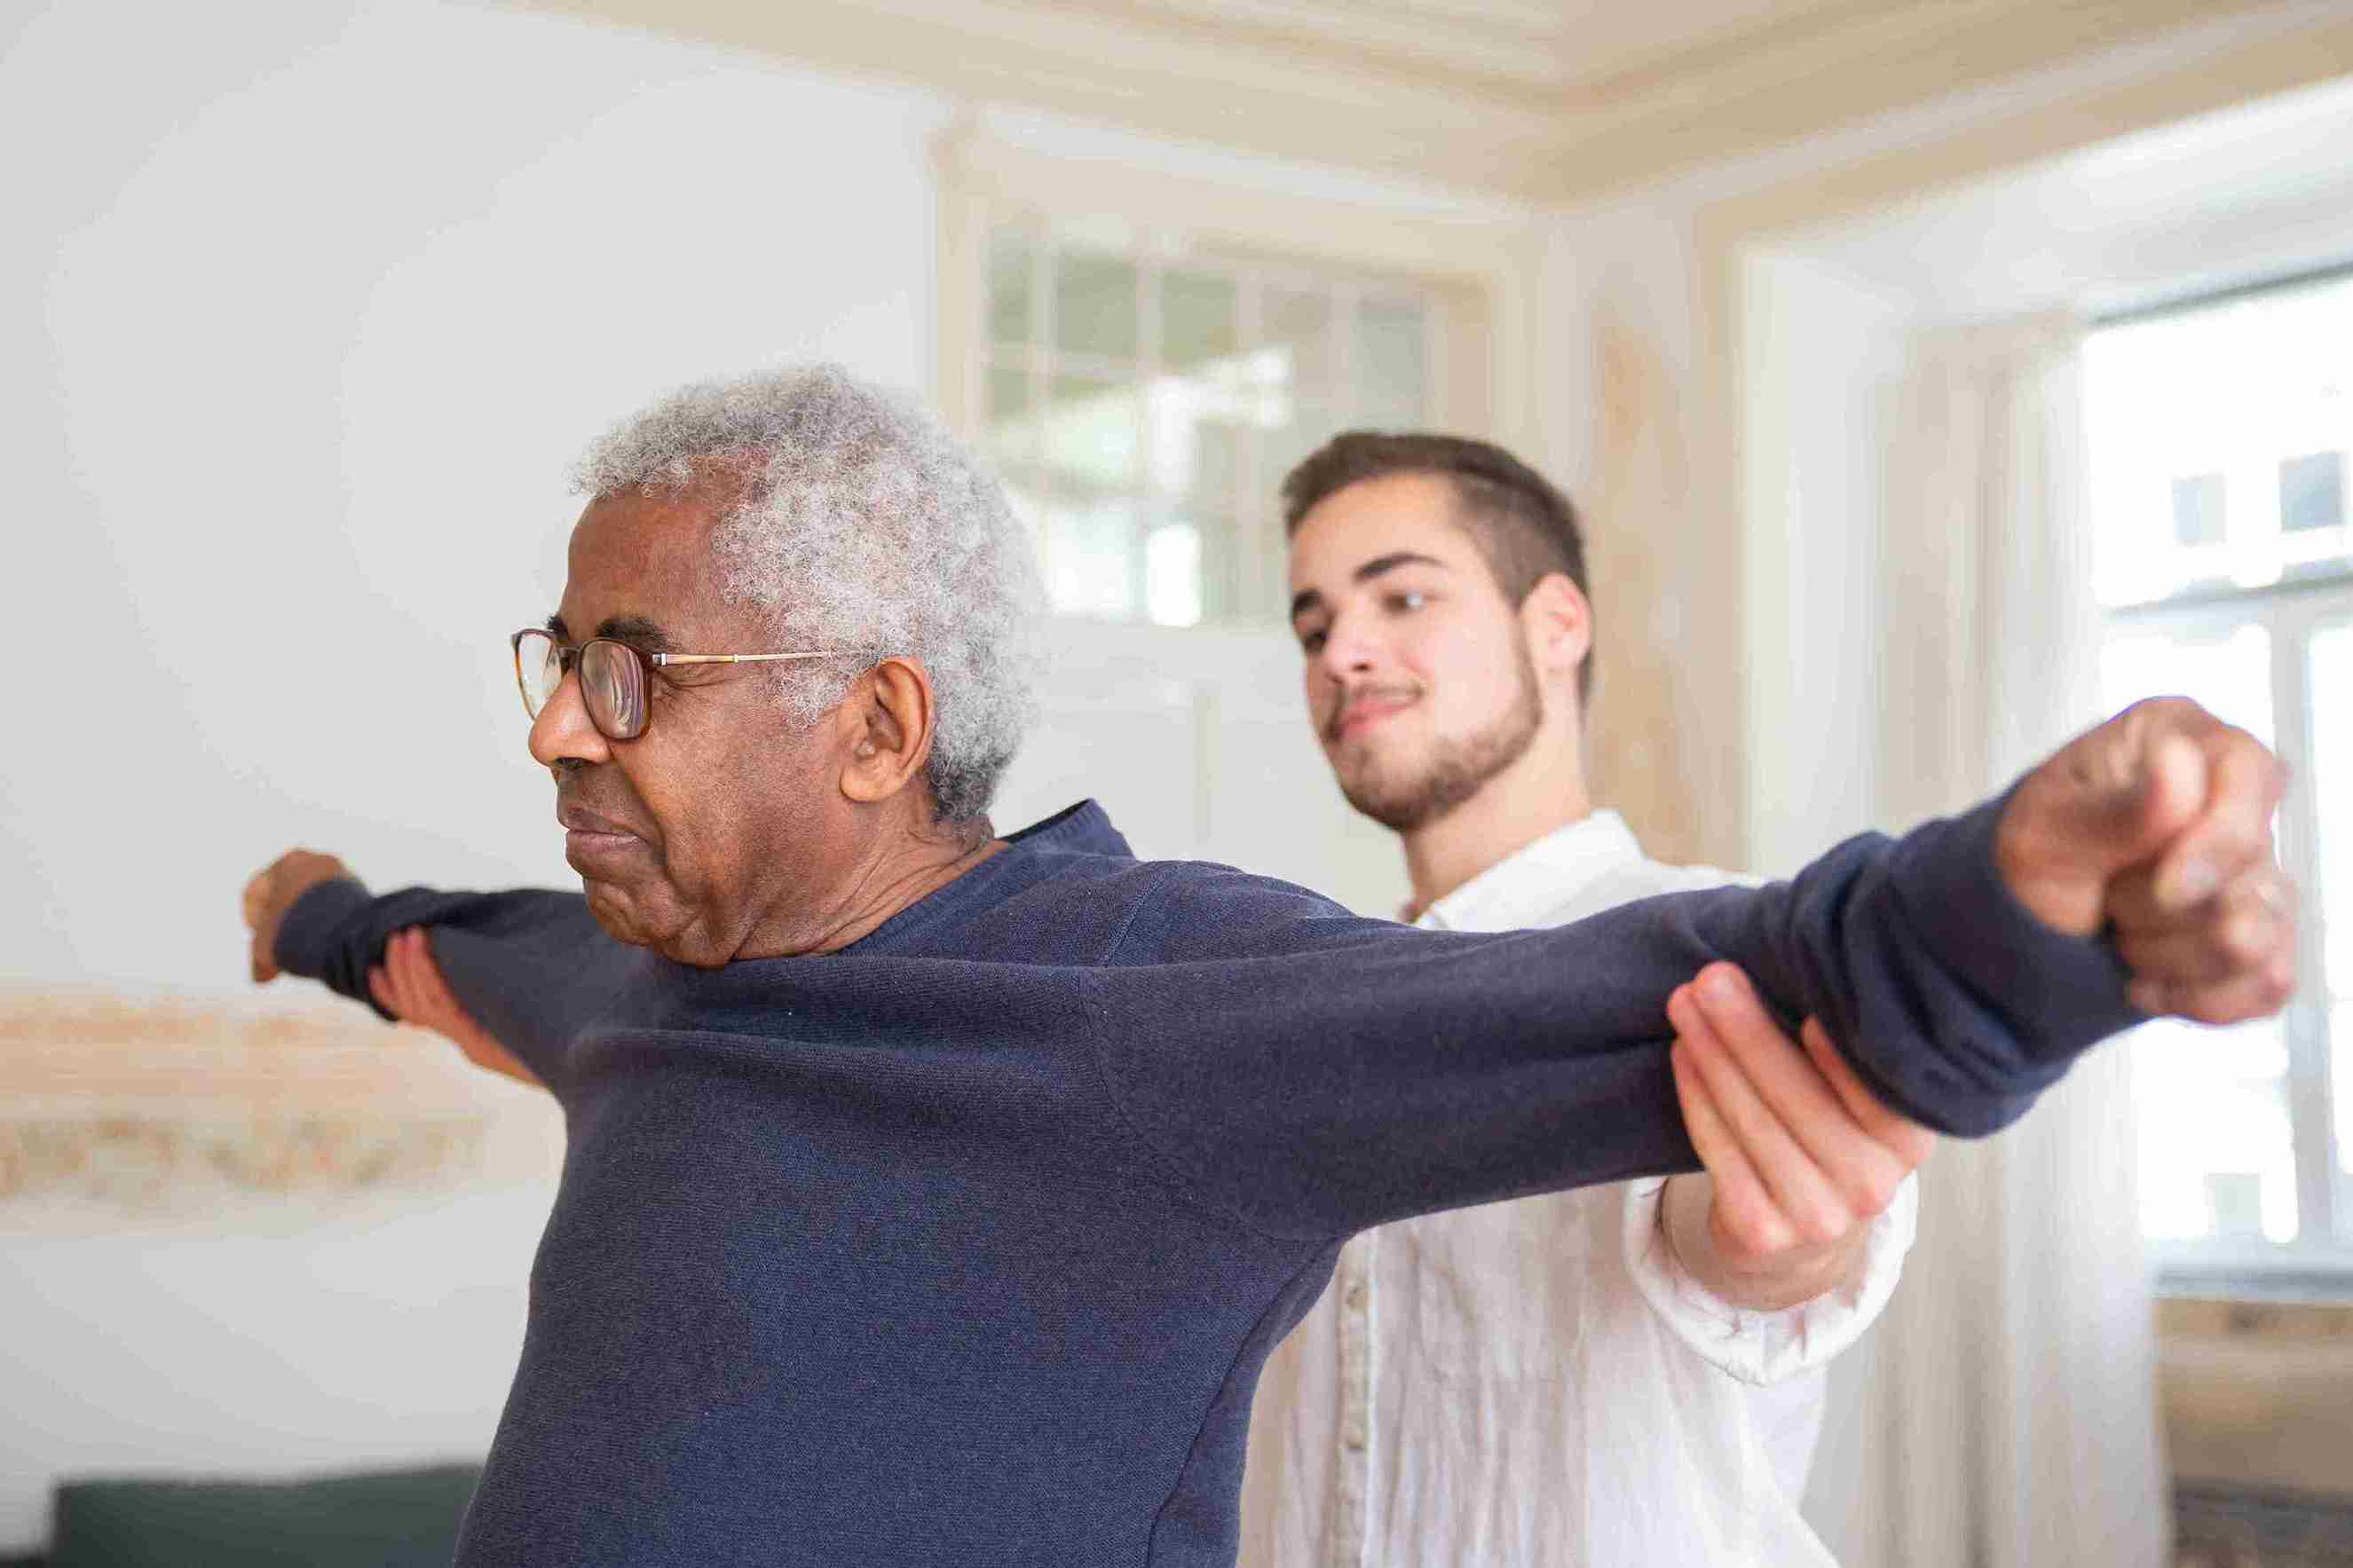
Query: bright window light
(2217, 442)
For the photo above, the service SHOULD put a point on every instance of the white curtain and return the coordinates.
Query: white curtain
(2002, 1414)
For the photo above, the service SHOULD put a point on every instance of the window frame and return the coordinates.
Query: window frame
(1252, 510)
(2303, 602)
(1478, 261)
(2291, 612)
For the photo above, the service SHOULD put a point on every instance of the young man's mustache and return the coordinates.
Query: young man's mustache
(1347, 701)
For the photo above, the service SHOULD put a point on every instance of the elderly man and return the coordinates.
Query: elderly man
(934, 1197)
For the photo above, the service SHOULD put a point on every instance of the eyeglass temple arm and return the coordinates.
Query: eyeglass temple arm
(661, 659)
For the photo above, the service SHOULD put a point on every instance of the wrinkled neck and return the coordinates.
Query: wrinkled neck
(897, 870)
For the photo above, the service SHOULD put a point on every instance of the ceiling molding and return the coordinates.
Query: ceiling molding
(2259, 69)
(1128, 73)
(1487, 94)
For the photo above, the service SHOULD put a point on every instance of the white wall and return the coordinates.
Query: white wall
(307, 309)
(303, 310)
(1824, 360)
(273, 1337)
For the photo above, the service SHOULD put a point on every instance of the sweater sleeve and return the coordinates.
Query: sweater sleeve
(1314, 1073)
(532, 966)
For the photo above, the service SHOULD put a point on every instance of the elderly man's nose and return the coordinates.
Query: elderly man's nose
(564, 733)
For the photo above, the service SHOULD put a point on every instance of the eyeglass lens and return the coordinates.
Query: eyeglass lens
(612, 681)
(539, 670)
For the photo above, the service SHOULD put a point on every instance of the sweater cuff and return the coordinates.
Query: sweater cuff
(2073, 987)
(306, 934)
(1763, 1348)
(2047, 997)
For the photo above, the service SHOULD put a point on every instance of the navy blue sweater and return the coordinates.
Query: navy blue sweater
(965, 1244)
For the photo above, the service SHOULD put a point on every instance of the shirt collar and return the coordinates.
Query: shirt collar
(1537, 879)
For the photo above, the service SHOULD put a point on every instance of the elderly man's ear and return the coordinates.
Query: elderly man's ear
(886, 731)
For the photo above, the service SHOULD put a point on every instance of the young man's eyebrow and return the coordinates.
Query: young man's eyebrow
(556, 629)
(1391, 561)
(1309, 599)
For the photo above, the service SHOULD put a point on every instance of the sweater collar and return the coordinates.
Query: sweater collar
(1081, 829)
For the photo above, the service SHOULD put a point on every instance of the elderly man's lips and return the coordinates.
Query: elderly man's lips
(584, 850)
(580, 819)
(592, 842)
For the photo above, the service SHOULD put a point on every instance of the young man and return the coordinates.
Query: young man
(1627, 1375)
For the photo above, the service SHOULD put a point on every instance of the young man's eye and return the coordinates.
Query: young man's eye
(1408, 599)
(1312, 642)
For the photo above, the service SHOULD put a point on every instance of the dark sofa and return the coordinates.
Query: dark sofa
(371, 1519)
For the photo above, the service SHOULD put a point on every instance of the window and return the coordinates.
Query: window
(2218, 438)
(1144, 400)
(1144, 338)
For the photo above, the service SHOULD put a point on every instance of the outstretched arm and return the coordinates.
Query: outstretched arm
(1355, 1072)
(510, 977)
(1783, 1249)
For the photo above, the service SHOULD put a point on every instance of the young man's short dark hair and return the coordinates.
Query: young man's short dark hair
(1524, 527)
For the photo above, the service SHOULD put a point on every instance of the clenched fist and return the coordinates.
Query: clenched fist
(272, 891)
(2157, 827)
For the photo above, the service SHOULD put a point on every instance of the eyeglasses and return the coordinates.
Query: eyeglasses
(613, 675)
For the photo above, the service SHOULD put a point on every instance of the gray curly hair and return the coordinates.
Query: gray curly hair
(861, 524)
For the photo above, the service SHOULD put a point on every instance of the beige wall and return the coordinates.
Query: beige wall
(2258, 1392)
(1622, 379)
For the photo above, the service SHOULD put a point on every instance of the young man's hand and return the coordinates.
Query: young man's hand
(408, 983)
(2156, 828)
(409, 986)
(1799, 1156)
(270, 892)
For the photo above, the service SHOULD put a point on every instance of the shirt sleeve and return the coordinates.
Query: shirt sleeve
(1765, 1348)
(532, 966)
(1313, 1073)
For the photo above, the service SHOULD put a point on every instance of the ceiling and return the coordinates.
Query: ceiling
(1548, 100)
(2261, 190)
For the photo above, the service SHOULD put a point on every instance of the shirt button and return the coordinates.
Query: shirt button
(1354, 1442)
(1355, 1297)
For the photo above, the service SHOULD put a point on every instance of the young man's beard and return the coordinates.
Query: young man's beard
(1456, 768)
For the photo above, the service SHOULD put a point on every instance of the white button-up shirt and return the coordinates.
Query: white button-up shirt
(1539, 1381)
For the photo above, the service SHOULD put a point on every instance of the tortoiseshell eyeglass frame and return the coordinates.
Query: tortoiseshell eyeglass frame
(617, 701)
